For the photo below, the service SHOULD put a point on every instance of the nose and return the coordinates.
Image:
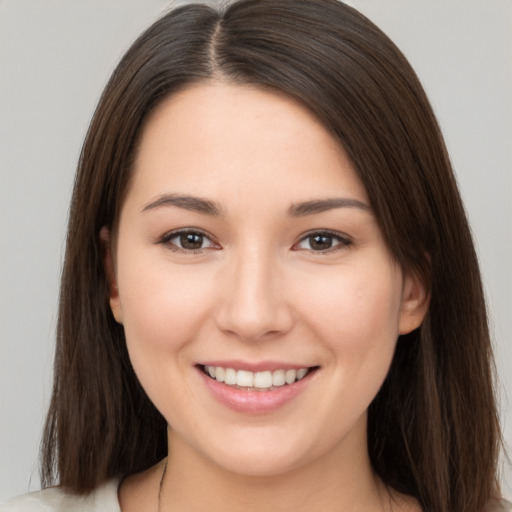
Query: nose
(253, 301)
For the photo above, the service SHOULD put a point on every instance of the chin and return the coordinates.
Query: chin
(258, 464)
(250, 454)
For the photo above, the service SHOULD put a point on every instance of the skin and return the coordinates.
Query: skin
(258, 289)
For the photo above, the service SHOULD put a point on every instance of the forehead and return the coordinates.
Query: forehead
(220, 140)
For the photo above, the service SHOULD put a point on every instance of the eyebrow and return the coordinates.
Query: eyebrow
(323, 205)
(194, 204)
(207, 207)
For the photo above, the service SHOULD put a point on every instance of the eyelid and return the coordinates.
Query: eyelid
(344, 241)
(166, 238)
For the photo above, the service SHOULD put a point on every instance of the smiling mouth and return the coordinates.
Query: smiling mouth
(256, 381)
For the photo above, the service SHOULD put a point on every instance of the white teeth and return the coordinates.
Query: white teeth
(230, 376)
(301, 373)
(244, 379)
(278, 378)
(260, 380)
(219, 373)
(290, 376)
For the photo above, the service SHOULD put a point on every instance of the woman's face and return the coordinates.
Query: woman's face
(247, 251)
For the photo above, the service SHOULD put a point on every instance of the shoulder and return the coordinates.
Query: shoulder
(55, 499)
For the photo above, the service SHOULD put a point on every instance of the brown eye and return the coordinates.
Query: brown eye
(323, 242)
(191, 241)
(188, 241)
(320, 242)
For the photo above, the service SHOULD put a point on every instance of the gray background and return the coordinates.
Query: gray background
(55, 57)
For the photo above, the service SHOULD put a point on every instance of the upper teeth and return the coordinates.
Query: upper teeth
(262, 380)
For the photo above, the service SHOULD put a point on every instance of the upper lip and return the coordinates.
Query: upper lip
(250, 366)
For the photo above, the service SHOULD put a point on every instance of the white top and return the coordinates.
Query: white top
(54, 499)
(104, 499)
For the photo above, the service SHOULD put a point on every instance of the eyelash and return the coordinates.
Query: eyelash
(343, 241)
(168, 237)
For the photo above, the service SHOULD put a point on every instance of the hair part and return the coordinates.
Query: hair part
(433, 430)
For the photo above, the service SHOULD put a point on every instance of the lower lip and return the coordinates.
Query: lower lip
(255, 402)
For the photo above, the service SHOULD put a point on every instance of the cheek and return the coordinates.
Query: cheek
(356, 317)
(363, 303)
(162, 309)
(162, 313)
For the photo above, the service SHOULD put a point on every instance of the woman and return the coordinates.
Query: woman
(270, 291)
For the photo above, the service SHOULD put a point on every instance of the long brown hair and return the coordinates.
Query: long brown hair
(433, 431)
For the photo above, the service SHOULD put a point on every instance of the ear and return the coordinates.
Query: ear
(108, 264)
(415, 302)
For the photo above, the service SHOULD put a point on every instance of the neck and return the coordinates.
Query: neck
(339, 480)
